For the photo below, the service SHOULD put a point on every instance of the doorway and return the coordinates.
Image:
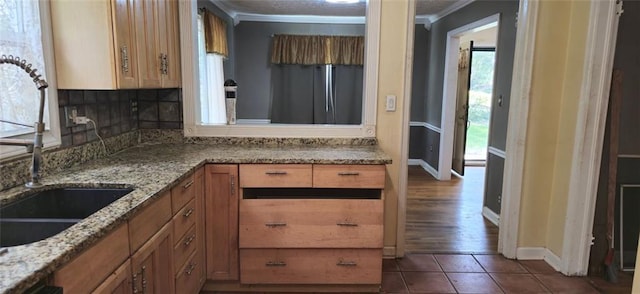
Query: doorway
(474, 92)
(450, 216)
(480, 90)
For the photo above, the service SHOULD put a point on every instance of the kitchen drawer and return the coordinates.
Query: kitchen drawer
(189, 277)
(182, 193)
(348, 176)
(87, 271)
(184, 219)
(149, 221)
(313, 223)
(275, 175)
(185, 247)
(310, 266)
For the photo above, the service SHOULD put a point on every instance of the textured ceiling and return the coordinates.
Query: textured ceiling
(320, 7)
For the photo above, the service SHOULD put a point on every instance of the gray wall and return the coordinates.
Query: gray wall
(504, 62)
(427, 106)
(253, 51)
(627, 60)
(493, 182)
(420, 68)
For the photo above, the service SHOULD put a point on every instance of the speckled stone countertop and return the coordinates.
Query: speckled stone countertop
(150, 169)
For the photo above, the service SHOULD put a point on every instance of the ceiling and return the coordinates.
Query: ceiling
(323, 8)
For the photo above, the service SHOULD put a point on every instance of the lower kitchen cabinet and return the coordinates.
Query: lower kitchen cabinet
(119, 282)
(152, 264)
(221, 206)
(87, 271)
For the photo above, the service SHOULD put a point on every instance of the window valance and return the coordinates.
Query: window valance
(309, 50)
(215, 34)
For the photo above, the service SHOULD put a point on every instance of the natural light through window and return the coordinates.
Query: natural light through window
(210, 67)
(21, 36)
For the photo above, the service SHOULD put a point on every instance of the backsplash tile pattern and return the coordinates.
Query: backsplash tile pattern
(160, 109)
(110, 110)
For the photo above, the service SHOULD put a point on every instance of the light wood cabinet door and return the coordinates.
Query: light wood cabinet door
(147, 26)
(125, 44)
(152, 265)
(221, 205)
(94, 44)
(87, 271)
(119, 282)
(169, 43)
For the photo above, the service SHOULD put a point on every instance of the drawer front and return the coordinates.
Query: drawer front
(84, 273)
(310, 266)
(311, 223)
(184, 219)
(148, 221)
(182, 193)
(189, 277)
(348, 176)
(185, 247)
(275, 175)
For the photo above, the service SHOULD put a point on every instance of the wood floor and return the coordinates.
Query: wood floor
(446, 216)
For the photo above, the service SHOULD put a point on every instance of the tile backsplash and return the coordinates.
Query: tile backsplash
(117, 112)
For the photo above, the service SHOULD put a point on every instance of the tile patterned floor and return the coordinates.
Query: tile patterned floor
(465, 273)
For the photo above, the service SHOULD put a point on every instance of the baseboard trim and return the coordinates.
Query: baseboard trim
(491, 216)
(428, 168)
(389, 252)
(539, 253)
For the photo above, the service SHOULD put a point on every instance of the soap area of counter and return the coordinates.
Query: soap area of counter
(150, 169)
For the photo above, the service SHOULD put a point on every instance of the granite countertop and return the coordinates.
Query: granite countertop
(150, 169)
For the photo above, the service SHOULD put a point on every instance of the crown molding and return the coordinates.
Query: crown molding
(455, 6)
(298, 18)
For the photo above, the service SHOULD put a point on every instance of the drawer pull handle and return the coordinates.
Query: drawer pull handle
(189, 270)
(273, 225)
(346, 224)
(187, 185)
(189, 240)
(347, 263)
(188, 212)
(275, 173)
(348, 173)
(275, 263)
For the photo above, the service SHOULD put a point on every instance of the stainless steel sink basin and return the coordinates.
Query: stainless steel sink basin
(46, 213)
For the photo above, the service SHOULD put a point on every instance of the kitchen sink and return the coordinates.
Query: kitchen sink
(46, 213)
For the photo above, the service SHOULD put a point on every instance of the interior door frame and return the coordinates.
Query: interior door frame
(449, 92)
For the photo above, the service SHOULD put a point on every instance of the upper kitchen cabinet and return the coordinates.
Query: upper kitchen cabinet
(158, 43)
(116, 44)
(94, 44)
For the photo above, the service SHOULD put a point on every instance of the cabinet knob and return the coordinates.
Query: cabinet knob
(190, 269)
(348, 173)
(189, 240)
(188, 212)
(347, 224)
(275, 263)
(275, 172)
(187, 185)
(273, 225)
(347, 263)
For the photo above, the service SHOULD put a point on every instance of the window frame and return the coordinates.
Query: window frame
(51, 137)
(190, 89)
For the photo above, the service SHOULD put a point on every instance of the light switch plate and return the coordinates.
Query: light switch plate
(391, 103)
